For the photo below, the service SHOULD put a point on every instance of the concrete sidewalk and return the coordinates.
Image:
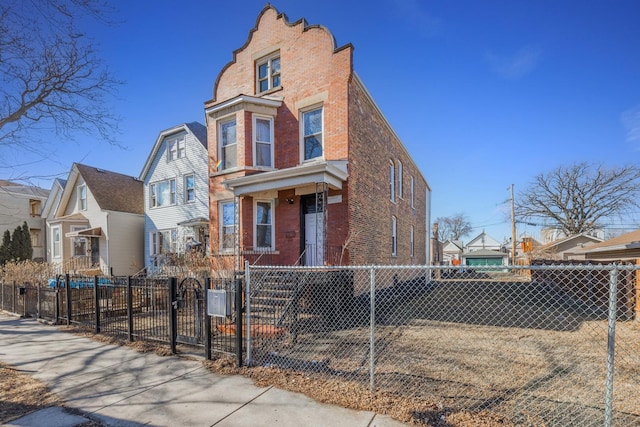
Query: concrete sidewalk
(117, 386)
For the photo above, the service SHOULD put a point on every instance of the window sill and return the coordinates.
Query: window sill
(270, 91)
(261, 251)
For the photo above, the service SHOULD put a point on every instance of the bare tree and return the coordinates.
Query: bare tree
(50, 73)
(453, 227)
(580, 198)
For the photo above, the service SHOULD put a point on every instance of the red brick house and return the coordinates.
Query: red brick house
(304, 168)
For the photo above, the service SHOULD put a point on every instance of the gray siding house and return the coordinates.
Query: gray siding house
(176, 194)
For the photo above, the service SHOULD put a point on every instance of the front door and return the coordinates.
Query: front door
(95, 251)
(314, 239)
(313, 231)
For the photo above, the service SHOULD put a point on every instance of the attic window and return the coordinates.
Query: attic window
(268, 73)
(82, 197)
(175, 149)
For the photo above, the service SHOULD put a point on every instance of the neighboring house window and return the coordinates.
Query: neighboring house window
(35, 237)
(162, 193)
(264, 225)
(189, 188)
(82, 197)
(392, 182)
(394, 236)
(163, 242)
(411, 189)
(35, 207)
(78, 244)
(312, 133)
(400, 191)
(263, 141)
(227, 225)
(55, 239)
(268, 73)
(228, 144)
(176, 148)
(411, 241)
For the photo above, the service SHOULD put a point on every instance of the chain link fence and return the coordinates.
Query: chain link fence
(552, 345)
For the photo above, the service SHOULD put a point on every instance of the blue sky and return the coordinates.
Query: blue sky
(483, 94)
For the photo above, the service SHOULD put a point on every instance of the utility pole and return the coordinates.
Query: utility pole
(513, 229)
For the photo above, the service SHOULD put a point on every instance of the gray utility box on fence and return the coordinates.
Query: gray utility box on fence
(218, 303)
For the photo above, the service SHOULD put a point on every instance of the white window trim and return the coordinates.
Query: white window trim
(302, 135)
(156, 249)
(394, 236)
(222, 121)
(412, 241)
(400, 178)
(267, 60)
(412, 192)
(173, 200)
(53, 242)
(392, 182)
(255, 141)
(186, 189)
(176, 145)
(221, 204)
(82, 187)
(73, 240)
(255, 224)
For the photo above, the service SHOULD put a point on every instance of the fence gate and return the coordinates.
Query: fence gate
(189, 311)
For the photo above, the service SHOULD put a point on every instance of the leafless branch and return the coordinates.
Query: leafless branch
(579, 198)
(50, 72)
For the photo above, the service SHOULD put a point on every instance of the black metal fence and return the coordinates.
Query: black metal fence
(167, 311)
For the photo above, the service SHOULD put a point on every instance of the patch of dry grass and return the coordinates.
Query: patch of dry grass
(20, 394)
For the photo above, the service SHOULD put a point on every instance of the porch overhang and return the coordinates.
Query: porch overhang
(195, 222)
(87, 232)
(333, 173)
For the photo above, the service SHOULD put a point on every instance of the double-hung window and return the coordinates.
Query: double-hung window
(412, 242)
(162, 193)
(392, 182)
(164, 241)
(263, 141)
(227, 141)
(268, 73)
(227, 225)
(78, 244)
(189, 188)
(400, 179)
(57, 243)
(264, 225)
(312, 133)
(176, 148)
(82, 197)
(394, 236)
(412, 192)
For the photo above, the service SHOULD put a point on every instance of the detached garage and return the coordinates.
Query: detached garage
(485, 257)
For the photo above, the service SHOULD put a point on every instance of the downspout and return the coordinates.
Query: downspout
(108, 257)
(427, 239)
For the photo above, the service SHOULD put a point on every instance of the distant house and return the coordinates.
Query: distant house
(483, 257)
(23, 203)
(305, 168)
(564, 248)
(484, 250)
(482, 241)
(549, 234)
(176, 194)
(452, 252)
(97, 226)
(49, 211)
(622, 248)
